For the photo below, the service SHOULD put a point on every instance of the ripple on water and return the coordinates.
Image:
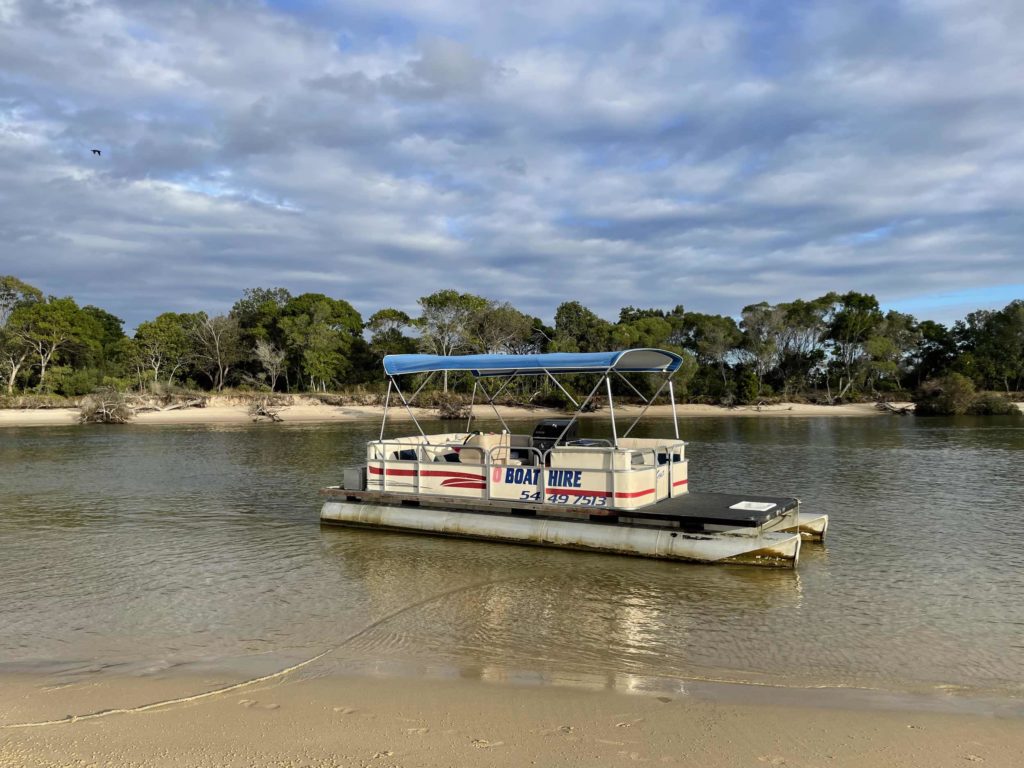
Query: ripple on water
(179, 545)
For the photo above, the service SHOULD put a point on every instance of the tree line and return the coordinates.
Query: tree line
(829, 349)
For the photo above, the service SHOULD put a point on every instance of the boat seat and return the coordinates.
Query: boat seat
(477, 446)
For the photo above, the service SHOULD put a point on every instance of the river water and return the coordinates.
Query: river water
(145, 550)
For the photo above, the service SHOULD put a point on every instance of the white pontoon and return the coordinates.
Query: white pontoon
(626, 495)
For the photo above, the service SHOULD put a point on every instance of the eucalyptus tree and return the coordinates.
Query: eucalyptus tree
(14, 293)
(14, 350)
(165, 344)
(106, 348)
(934, 353)
(444, 322)
(763, 327)
(649, 331)
(499, 328)
(321, 334)
(713, 339)
(855, 318)
(889, 349)
(991, 346)
(578, 329)
(387, 332)
(271, 359)
(258, 313)
(48, 328)
(216, 346)
(802, 342)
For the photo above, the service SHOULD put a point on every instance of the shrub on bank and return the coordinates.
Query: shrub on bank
(34, 400)
(955, 395)
(993, 404)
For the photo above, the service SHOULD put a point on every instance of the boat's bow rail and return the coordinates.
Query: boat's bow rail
(585, 473)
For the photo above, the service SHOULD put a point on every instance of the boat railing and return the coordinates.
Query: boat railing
(642, 459)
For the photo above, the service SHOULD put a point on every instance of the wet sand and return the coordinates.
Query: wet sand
(342, 721)
(222, 411)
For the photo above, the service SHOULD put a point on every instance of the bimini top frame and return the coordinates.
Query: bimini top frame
(604, 364)
(629, 360)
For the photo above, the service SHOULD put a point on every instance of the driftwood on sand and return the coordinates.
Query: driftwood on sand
(901, 410)
(105, 406)
(261, 409)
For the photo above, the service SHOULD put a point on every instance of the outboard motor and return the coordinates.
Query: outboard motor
(547, 432)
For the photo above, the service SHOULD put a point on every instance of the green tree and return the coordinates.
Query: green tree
(271, 359)
(14, 293)
(802, 350)
(49, 328)
(164, 344)
(387, 335)
(444, 322)
(216, 346)
(258, 311)
(763, 327)
(14, 350)
(934, 353)
(320, 336)
(632, 314)
(105, 348)
(854, 319)
(889, 348)
(713, 338)
(577, 329)
(499, 328)
(992, 347)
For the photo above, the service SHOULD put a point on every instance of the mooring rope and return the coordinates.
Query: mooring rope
(255, 680)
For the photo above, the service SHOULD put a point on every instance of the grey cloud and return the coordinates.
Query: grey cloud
(650, 159)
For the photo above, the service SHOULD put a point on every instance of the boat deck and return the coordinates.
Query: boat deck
(702, 508)
(691, 511)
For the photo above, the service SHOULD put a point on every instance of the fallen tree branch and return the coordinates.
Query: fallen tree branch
(260, 409)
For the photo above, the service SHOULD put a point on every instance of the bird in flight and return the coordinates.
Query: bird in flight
(96, 152)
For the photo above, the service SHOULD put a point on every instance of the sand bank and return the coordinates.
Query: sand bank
(341, 721)
(222, 411)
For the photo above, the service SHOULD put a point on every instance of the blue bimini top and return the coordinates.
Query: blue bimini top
(625, 361)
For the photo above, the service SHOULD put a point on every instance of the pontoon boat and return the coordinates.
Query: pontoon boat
(627, 495)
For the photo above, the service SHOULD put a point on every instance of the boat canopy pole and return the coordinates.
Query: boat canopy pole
(630, 384)
(387, 399)
(491, 399)
(406, 404)
(472, 401)
(611, 409)
(672, 397)
(421, 386)
(559, 385)
(648, 403)
(580, 409)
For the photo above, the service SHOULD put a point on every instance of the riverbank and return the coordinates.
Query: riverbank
(386, 722)
(223, 410)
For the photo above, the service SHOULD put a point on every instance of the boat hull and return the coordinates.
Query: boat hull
(738, 546)
(810, 526)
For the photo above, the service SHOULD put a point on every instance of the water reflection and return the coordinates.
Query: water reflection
(166, 548)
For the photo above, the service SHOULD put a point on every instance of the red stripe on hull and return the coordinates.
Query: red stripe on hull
(456, 483)
(393, 472)
(460, 475)
(633, 494)
(578, 492)
(575, 492)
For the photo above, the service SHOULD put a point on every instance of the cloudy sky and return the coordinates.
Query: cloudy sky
(712, 154)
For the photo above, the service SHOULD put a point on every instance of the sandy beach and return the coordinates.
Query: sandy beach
(310, 411)
(387, 722)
